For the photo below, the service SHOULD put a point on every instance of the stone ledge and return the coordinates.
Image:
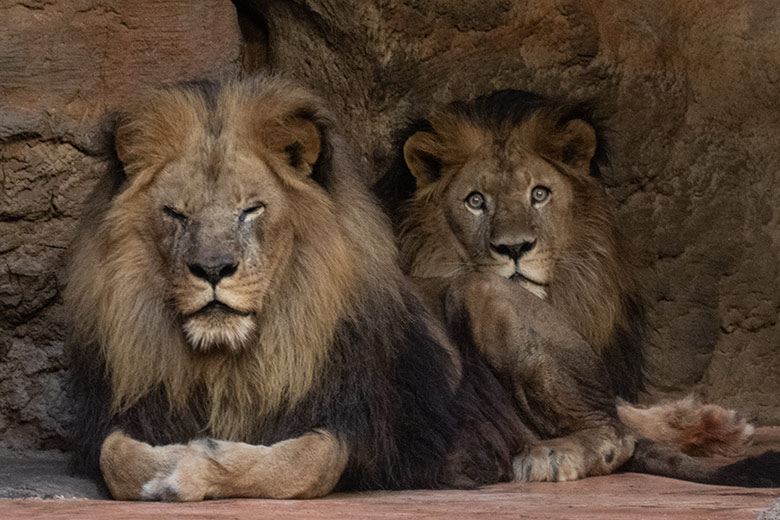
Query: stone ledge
(599, 498)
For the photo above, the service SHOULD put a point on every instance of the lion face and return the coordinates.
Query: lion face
(505, 199)
(222, 242)
(216, 205)
(224, 260)
(505, 184)
(508, 213)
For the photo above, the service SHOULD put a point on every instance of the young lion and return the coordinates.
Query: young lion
(507, 184)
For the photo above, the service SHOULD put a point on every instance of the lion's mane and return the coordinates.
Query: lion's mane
(342, 342)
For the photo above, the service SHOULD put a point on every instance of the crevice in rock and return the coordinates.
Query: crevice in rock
(254, 33)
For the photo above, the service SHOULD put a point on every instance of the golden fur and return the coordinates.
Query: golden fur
(120, 291)
(308, 466)
(240, 318)
(241, 325)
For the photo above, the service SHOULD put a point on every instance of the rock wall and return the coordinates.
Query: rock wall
(63, 64)
(690, 89)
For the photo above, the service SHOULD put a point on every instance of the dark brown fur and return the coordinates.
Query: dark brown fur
(590, 276)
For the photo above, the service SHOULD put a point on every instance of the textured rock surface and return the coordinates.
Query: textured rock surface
(62, 64)
(689, 88)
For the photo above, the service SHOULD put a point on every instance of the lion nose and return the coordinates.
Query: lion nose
(214, 268)
(513, 251)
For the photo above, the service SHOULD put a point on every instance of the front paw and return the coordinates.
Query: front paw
(550, 464)
(186, 480)
(127, 464)
(175, 486)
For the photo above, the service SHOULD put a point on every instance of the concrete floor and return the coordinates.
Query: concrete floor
(57, 495)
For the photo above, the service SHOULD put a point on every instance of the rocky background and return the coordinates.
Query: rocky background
(690, 88)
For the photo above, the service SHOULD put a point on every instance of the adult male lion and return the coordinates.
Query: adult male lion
(508, 184)
(242, 328)
(238, 290)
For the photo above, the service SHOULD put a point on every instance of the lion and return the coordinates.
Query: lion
(240, 323)
(509, 184)
(241, 326)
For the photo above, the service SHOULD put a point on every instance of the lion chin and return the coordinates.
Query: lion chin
(219, 327)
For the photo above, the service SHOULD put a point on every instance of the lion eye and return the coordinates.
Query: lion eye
(540, 194)
(252, 212)
(178, 215)
(475, 201)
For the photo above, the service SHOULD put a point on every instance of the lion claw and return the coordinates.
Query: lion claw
(546, 464)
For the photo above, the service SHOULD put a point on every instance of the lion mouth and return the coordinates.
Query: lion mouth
(519, 277)
(217, 307)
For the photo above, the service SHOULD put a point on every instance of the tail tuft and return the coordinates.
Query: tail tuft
(697, 429)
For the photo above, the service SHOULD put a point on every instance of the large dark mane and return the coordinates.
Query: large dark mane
(375, 371)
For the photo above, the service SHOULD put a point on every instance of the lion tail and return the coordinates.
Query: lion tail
(697, 429)
(658, 458)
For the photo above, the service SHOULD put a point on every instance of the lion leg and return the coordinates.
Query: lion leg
(308, 466)
(126, 464)
(559, 383)
(697, 429)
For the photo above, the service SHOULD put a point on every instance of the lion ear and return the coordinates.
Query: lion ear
(421, 157)
(299, 140)
(154, 129)
(574, 144)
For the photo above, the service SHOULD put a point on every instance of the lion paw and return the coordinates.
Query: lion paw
(127, 463)
(550, 464)
(186, 480)
(173, 487)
